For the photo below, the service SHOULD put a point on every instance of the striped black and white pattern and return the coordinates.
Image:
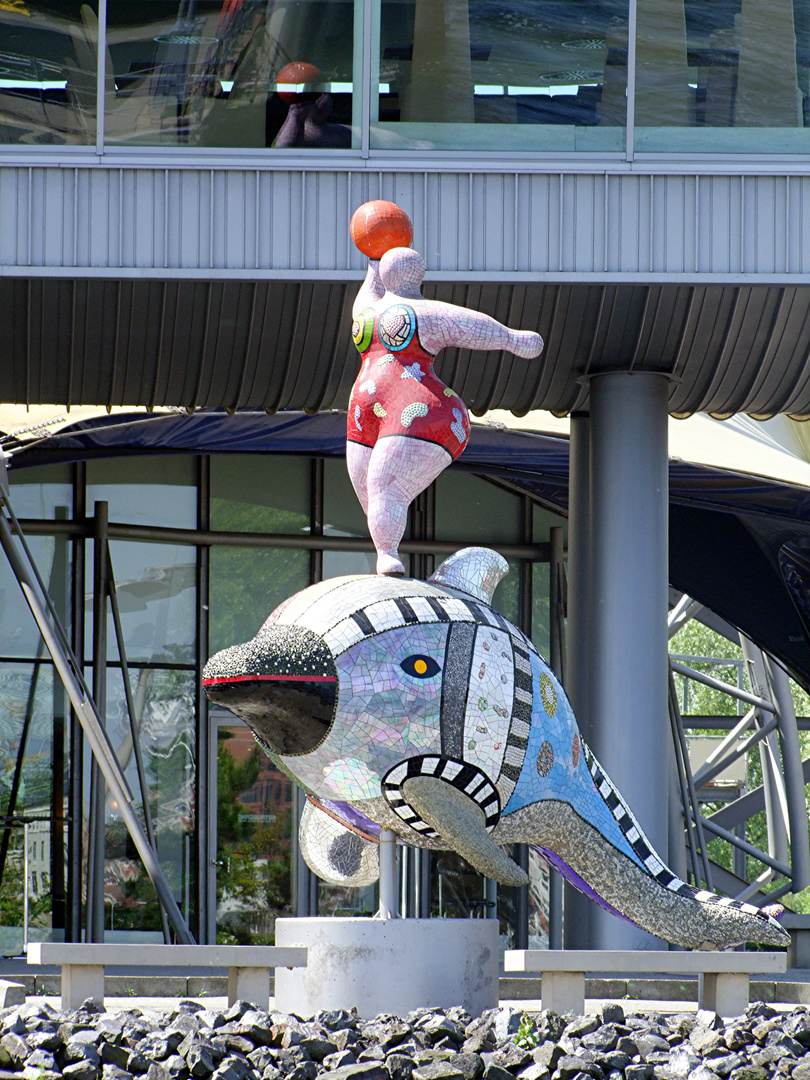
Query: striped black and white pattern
(418, 606)
(520, 724)
(461, 775)
(641, 845)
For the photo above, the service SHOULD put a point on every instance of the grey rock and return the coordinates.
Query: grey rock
(437, 1070)
(92, 1007)
(548, 1054)
(41, 1059)
(201, 1056)
(535, 1071)
(14, 1022)
(797, 1025)
(16, 1047)
(336, 1020)
(44, 1040)
(440, 1027)
(113, 1054)
(399, 1066)
(234, 1068)
(760, 1010)
(724, 1064)
(270, 1072)
(304, 1070)
(627, 1045)
(338, 1060)
(239, 1043)
(603, 1038)
(185, 1022)
(36, 1072)
(260, 1058)
(212, 1019)
(568, 1066)
(638, 1072)
(82, 1070)
(137, 1063)
(749, 1072)
(372, 1053)
(612, 1014)
(346, 1037)
(512, 1057)
(507, 1021)
(363, 1070)
(702, 1072)
(176, 1067)
(157, 1072)
(470, 1065)
(319, 1049)
(479, 1036)
(779, 1038)
(681, 1063)
(496, 1072)
(801, 1071)
(238, 1010)
(650, 1043)
(113, 1072)
(736, 1038)
(580, 1026)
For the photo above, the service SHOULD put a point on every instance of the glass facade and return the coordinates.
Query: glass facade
(468, 75)
(225, 830)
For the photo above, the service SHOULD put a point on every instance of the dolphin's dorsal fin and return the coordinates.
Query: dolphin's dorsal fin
(472, 570)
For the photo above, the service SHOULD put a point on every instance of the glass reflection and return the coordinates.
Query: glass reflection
(243, 73)
(164, 722)
(156, 589)
(492, 74)
(736, 65)
(48, 68)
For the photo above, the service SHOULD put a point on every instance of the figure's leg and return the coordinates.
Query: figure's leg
(357, 462)
(400, 468)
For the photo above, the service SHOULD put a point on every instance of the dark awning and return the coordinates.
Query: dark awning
(740, 544)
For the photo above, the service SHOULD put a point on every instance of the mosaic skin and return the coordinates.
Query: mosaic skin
(413, 706)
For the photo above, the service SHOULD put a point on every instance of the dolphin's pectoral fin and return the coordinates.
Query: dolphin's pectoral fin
(460, 821)
(337, 854)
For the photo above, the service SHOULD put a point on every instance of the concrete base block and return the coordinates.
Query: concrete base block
(564, 991)
(249, 984)
(725, 993)
(11, 994)
(81, 981)
(389, 965)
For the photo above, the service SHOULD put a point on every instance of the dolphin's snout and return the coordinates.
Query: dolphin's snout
(283, 684)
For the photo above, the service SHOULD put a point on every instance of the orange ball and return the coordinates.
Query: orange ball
(299, 73)
(378, 226)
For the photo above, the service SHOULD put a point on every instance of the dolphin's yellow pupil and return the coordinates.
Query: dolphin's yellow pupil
(420, 667)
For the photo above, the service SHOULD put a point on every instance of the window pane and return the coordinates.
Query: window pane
(260, 493)
(501, 75)
(164, 706)
(343, 516)
(246, 585)
(254, 831)
(253, 74)
(156, 589)
(727, 77)
(42, 492)
(28, 692)
(19, 634)
(48, 72)
(145, 490)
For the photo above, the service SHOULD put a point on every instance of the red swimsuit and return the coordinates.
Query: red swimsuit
(396, 392)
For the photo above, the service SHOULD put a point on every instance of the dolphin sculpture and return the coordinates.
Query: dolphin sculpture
(414, 706)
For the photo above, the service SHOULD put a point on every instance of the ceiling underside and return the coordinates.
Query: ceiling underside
(281, 345)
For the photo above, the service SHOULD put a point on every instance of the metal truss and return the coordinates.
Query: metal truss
(768, 725)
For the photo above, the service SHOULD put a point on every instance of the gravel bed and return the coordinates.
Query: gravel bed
(245, 1043)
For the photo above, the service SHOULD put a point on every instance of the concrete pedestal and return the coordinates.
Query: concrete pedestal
(389, 965)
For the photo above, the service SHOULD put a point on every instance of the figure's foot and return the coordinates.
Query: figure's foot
(389, 564)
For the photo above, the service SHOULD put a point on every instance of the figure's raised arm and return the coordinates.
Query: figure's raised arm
(371, 290)
(441, 325)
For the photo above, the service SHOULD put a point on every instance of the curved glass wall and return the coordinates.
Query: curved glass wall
(47, 72)
(727, 77)
(200, 551)
(419, 76)
(501, 75)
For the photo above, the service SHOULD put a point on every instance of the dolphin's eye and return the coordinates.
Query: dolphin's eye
(421, 667)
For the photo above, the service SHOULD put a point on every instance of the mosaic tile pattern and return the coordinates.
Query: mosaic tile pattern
(337, 854)
(448, 728)
(398, 406)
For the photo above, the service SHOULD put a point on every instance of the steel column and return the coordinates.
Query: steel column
(577, 909)
(98, 791)
(629, 600)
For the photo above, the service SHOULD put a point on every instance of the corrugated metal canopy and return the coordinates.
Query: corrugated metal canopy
(280, 344)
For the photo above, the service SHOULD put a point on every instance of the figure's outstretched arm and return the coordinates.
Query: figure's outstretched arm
(445, 324)
(371, 290)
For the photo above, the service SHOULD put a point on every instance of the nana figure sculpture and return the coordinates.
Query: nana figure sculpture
(404, 425)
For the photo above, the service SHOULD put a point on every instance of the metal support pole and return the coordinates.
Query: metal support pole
(98, 794)
(135, 735)
(388, 875)
(73, 928)
(793, 774)
(577, 909)
(67, 668)
(629, 602)
(27, 876)
(556, 578)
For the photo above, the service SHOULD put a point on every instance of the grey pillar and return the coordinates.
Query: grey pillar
(577, 909)
(629, 728)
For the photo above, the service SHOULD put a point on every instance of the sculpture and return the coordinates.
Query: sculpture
(413, 706)
(404, 425)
